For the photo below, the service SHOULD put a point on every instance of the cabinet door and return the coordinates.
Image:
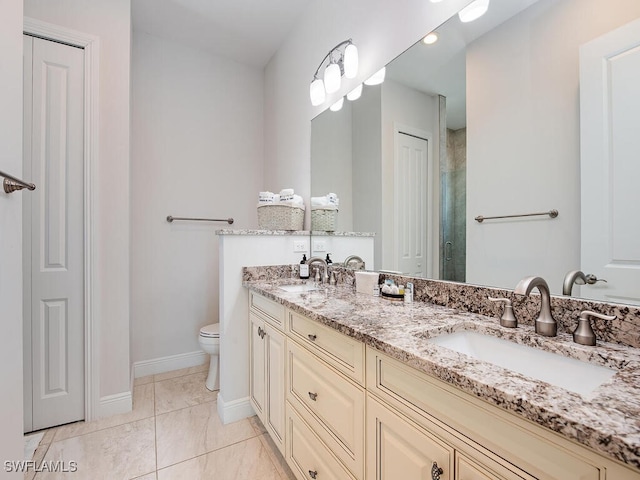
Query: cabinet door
(257, 368)
(274, 342)
(398, 449)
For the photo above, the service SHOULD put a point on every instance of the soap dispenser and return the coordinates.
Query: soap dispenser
(304, 268)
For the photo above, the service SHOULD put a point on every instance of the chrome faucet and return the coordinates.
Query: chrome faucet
(323, 262)
(545, 323)
(355, 260)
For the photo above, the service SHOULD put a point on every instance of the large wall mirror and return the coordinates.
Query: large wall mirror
(487, 121)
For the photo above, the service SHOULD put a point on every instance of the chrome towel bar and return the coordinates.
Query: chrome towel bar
(13, 184)
(551, 213)
(228, 220)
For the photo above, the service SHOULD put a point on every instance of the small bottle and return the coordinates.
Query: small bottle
(304, 268)
(408, 293)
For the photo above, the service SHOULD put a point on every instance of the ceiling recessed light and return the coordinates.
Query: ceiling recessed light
(430, 38)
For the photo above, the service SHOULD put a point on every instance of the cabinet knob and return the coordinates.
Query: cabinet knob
(313, 473)
(436, 471)
(312, 337)
(313, 396)
(260, 332)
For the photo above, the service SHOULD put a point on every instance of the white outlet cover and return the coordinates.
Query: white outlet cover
(300, 246)
(319, 246)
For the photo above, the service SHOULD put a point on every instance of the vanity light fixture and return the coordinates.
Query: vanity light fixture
(355, 93)
(473, 11)
(342, 60)
(337, 106)
(430, 38)
(377, 78)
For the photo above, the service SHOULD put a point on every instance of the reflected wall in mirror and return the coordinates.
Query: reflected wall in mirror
(486, 121)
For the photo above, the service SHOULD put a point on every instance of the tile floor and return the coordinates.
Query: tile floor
(173, 433)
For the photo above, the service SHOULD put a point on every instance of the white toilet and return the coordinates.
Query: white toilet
(209, 339)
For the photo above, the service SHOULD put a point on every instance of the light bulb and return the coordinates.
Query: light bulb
(355, 93)
(377, 78)
(337, 106)
(473, 11)
(332, 78)
(350, 61)
(316, 92)
(430, 38)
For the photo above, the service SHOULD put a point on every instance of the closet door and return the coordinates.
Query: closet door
(54, 233)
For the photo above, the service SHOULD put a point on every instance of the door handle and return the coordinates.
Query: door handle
(313, 396)
(312, 337)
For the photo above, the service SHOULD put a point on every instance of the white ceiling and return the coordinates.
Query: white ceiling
(247, 31)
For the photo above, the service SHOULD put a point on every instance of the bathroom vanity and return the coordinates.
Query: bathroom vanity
(351, 386)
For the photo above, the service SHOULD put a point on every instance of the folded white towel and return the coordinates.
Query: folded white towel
(297, 200)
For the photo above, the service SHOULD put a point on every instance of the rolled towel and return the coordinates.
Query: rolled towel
(319, 201)
(333, 199)
(286, 194)
(297, 200)
(266, 197)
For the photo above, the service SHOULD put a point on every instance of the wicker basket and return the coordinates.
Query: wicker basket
(324, 219)
(280, 217)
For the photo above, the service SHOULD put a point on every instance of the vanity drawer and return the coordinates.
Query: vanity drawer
(342, 352)
(270, 310)
(330, 403)
(307, 456)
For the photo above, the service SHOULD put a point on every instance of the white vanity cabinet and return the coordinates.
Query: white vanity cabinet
(326, 398)
(267, 365)
(487, 442)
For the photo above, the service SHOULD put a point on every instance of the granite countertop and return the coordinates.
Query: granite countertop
(607, 420)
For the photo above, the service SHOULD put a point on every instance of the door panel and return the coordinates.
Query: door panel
(609, 106)
(411, 190)
(54, 232)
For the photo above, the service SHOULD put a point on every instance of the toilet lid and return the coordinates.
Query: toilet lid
(212, 330)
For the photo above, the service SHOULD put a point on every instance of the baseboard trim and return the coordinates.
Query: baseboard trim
(234, 410)
(167, 364)
(114, 405)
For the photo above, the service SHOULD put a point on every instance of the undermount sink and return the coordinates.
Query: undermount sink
(298, 287)
(564, 372)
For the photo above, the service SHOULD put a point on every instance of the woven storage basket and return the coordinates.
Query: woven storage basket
(280, 217)
(324, 219)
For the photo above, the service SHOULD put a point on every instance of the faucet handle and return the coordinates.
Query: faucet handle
(508, 318)
(583, 334)
(591, 279)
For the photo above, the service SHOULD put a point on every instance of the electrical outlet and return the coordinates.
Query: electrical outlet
(300, 246)
(319, 246)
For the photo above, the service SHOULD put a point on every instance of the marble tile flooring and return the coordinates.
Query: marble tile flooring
(173, 432)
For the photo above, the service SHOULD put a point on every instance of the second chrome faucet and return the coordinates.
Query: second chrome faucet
(545, 323)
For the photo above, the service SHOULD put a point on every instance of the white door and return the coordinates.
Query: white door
(610, 164)
(53, 234)
(410, 200)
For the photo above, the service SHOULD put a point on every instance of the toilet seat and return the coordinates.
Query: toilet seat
(210, 331)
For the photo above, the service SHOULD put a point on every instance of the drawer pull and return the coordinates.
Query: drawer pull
(312, 337)
(313, 473)
(313, 396)
(436, 471)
